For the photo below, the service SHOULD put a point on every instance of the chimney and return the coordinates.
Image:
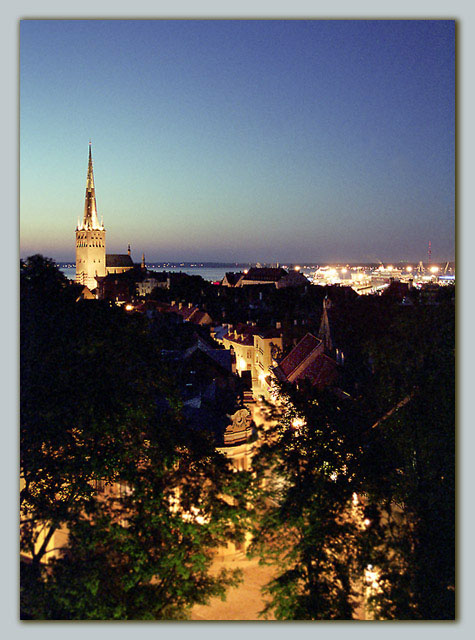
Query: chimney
(128, 249)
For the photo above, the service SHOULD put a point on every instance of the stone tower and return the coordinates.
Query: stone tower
(90, 238)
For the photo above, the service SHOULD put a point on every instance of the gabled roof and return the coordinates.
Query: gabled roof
(267, 274)
(221, 356)
(299, 353)
(191, 313)
(200, 317)
(307, 361)
(231, 277)
(322, 371)
(293, 279)
(118, 260)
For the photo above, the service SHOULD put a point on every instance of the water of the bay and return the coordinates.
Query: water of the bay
(212, 274)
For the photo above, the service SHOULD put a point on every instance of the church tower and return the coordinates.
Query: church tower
(324, 332)
(90, 238)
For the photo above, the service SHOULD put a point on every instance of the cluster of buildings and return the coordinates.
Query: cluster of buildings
(249, 358)
(218, 364)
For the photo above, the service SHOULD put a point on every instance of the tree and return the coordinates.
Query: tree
(308, 527)
(409, 466)
(359, 495)
(106, 454)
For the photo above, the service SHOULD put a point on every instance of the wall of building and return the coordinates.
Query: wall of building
(90, 256)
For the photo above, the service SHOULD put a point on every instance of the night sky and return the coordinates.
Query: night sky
(285, 140)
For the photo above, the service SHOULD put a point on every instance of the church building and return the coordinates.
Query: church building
(91, 259)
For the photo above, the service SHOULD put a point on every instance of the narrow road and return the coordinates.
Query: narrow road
(243, 602)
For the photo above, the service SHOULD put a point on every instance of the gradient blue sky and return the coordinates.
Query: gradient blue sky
(282, 140)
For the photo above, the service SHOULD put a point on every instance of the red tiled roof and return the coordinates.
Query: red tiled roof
(321, 372)
(185, 311)
(197, 317)
(298, 354)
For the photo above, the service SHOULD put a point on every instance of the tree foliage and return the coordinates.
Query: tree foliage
(145, 500)
(359, 518)
(308, 527)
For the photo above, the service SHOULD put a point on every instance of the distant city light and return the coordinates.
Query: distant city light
(409, 269)
(434, 269)
(297, 268)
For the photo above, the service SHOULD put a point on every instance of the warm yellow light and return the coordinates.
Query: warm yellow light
(297, 423)
(371, 576)
(344, 270)
(434, 269)
(242, 364)
(390, 268)
(297, 268)
(409, 269)
(129, 307)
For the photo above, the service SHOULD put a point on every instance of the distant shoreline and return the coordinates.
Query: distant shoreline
(245, 265)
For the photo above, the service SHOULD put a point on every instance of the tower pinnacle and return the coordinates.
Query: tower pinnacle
(90, 238)
(90, 219)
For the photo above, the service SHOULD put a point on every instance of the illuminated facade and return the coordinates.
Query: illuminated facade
(255, 350)
(91, 259)
(90, 237)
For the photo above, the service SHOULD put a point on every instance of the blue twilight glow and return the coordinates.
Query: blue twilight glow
(240, 140)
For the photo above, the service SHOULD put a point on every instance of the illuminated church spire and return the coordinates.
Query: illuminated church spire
(90, 238)
(90, 219)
